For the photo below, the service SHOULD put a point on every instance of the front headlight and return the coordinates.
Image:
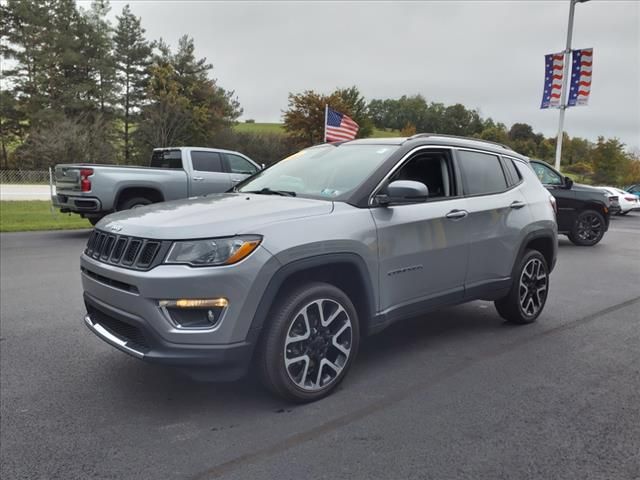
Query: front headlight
(213, 251)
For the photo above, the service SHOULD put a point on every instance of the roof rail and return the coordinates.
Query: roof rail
(420, 135)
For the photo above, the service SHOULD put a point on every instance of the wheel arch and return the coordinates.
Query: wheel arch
(346, 271)
(127, 192)
(544, 241)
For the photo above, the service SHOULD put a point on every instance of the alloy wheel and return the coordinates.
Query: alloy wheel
(318, 344)
(533, 287)
(589, 227)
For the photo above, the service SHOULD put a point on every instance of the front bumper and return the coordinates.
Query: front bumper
(132, 335)
(123, 310)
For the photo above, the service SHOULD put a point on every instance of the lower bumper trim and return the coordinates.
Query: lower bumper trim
(111, 338)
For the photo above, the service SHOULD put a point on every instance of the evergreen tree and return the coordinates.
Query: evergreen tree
(132, 58)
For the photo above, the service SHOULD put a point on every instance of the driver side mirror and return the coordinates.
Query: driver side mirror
(568, 183)
(403, 192)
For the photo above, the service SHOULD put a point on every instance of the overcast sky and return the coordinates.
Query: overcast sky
(485, 55)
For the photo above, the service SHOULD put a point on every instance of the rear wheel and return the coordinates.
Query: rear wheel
(588, 229)
(310, 343)
(134, 203)
(528, 294)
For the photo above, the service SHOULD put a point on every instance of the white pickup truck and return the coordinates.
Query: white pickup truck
(94, 190)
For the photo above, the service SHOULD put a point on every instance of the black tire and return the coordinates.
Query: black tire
(286, 316)
(588, 228)
(134, 202)
(516, 309)
(93, 220)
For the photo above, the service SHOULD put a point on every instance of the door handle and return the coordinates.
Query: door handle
(516, 204)
(198, 179)
(235, 180)
(457, 214)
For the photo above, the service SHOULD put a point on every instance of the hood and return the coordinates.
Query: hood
(220, 215)
(587, 188)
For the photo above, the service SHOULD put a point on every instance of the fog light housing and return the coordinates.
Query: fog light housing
(194, 314)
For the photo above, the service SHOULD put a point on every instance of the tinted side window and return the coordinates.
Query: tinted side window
(512, 171)
(166, 159)
(237, 164)
(546, 175)
(206, 161)
(481, 173)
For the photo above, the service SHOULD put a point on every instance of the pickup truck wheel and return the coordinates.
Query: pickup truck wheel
(529, 291)
(588, 229)
(134, 202)
(93, 220)
(309, 344)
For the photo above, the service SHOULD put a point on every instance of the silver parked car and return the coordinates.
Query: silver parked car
(338, 241)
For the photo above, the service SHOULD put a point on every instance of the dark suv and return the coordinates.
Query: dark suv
(583, 211)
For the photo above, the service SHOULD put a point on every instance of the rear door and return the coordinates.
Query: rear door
(498, 214)
(238, 167)
(566, 201)
(207, 173)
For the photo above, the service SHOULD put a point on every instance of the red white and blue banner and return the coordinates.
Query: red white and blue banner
(553, 73)
(580, 82)
(338, 127)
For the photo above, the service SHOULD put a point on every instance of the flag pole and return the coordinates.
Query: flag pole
(565, 75)
(326, 112)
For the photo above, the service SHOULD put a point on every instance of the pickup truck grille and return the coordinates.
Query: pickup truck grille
(124, 251)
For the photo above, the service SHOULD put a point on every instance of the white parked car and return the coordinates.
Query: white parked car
(627, 201)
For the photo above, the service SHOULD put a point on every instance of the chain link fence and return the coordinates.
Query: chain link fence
(29, 177)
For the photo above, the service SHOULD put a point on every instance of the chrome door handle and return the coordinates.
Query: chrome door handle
(234, 180)
(198, 179)
(517, 204)
(456, 214)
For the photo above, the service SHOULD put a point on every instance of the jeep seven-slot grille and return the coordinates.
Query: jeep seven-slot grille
(125, 251)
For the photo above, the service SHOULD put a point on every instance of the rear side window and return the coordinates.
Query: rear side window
(237, 164)
(166, 159)
(206, 161)
(513, 174)
(481, 173)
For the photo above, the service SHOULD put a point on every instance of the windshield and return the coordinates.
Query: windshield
(327, 171)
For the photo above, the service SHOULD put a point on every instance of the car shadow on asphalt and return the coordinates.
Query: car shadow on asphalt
(165, 389)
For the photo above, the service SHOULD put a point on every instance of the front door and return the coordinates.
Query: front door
(239, 167)
(423, 247)
(565, 197)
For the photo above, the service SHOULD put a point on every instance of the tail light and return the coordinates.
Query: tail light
(630, 199)
(85, 183)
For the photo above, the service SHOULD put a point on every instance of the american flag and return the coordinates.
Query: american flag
(580, 77)
(339, 127)
(553, 73)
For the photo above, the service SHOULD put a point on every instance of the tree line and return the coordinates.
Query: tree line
(78, 88)
(603, 162)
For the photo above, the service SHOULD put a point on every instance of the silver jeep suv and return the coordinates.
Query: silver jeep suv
(288, 271)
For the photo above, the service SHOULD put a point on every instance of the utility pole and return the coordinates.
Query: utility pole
(565, 79)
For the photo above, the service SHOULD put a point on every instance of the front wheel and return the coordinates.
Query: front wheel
(310, 343)
(529, 291)
(588, 229)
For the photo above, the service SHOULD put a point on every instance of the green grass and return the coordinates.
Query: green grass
(22, 216)
(279, 128)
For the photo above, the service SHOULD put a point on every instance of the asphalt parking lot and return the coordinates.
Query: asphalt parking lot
(458, 394)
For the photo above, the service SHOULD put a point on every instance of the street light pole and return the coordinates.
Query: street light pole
(565, 75)
(565, 79)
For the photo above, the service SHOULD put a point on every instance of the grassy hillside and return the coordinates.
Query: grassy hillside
(279, 128)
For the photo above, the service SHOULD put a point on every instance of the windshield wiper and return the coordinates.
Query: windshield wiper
(268, 191)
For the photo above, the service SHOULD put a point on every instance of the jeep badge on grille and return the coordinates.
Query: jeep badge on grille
(114, 227)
